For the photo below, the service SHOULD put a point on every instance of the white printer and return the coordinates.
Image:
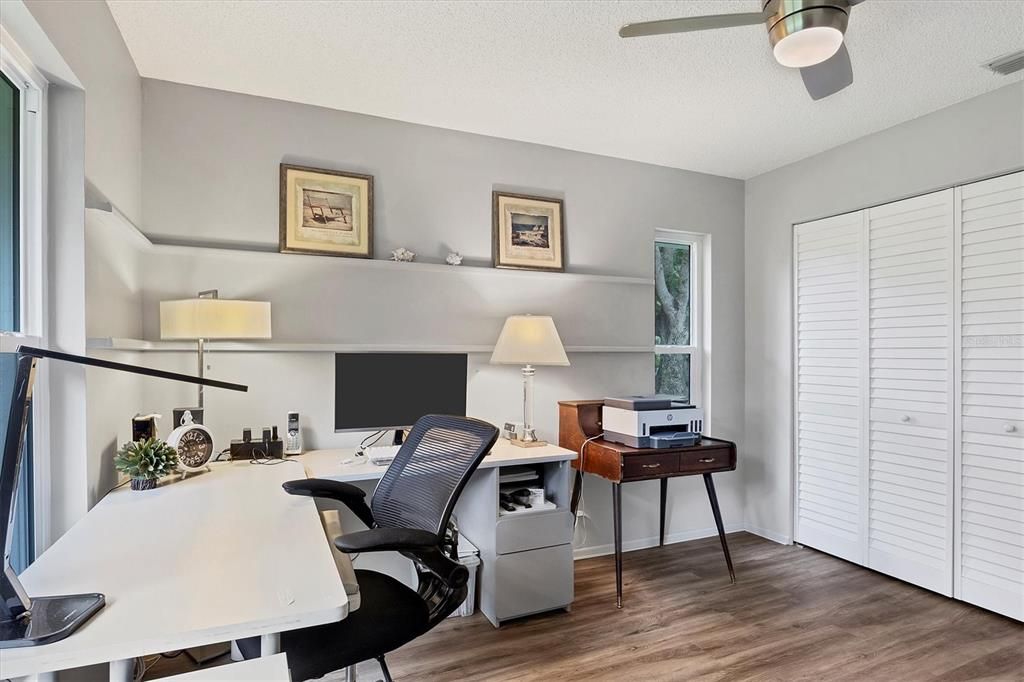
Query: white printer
(658, 421)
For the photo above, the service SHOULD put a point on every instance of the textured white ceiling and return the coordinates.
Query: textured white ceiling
(557, 73)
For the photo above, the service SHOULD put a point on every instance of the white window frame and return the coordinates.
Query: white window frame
(32, 326)
(700, 301)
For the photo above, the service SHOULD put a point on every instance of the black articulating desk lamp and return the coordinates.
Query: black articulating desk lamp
(26, 621)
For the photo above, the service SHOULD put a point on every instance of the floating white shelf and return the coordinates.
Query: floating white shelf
(142, 345)
(318, 299)
(378, 263)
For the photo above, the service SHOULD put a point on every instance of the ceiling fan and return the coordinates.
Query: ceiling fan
(804, 34)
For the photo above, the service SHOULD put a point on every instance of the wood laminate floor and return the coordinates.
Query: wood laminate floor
(793, 614)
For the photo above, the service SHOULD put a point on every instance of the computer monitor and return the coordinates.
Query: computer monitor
(379, 391)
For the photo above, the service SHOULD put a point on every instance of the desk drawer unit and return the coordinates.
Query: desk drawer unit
(636, 467)
(523, 531)
(533, 582)
(710, 459)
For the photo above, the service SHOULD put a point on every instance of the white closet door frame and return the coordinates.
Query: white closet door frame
(958, 420)
(864, 292)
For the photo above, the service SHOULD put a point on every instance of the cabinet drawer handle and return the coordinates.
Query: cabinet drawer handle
(706, 460)
(905, 418)
(650, 466)
(1009, 428)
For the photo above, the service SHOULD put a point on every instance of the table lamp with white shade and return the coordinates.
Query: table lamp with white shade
(529, 340)
(208, 317)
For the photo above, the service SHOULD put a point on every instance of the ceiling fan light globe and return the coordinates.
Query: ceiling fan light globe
(808, 46)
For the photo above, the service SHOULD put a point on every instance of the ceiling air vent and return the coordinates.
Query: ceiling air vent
(1007, 64)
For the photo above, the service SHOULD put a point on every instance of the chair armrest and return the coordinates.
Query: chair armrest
(351, 496)
(386, 540)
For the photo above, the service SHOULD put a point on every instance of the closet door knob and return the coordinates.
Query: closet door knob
(905, 418)
(1009, 428)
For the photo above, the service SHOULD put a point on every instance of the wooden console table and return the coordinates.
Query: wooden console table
(579, 422)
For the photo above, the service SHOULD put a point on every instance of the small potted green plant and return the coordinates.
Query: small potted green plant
(145, 461)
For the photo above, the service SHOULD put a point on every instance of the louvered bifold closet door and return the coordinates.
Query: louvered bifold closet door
(829, 257)
(990, 537)
(910, 467)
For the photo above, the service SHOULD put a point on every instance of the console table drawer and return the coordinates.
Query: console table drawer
(533, 530)
(649, 466)
(711, 459)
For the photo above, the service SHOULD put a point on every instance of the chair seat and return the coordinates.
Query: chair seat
(390, 615)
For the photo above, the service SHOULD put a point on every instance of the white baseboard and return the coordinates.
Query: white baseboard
(643, 543)
(770, 535)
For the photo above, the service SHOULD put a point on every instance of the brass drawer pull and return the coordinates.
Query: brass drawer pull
(706, 460)
(650, 466)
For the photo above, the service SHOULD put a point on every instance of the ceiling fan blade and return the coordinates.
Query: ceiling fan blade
(685, 24)
(829, 77)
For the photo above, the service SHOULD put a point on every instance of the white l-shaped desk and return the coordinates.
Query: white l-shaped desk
(228, 554)
(218, 556)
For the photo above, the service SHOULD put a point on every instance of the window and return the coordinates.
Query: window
(22, 282)
(10, 249)
(678, 323)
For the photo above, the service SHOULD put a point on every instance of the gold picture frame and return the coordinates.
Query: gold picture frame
(326, 212)
(528, 232)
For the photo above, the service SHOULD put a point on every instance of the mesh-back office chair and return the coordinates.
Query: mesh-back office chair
(409, 513)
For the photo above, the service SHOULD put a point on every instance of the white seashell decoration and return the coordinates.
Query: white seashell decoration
(454, 258)
(402, 255)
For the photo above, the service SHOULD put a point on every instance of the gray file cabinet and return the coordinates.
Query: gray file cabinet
(526, 563)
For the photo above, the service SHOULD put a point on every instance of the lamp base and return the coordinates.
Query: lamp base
(50, 619)
(528, 443)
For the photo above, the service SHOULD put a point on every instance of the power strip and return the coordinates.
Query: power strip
(255, 449)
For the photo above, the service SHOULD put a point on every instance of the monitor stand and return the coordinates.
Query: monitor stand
(399, 437)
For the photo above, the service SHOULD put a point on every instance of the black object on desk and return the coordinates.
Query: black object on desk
(580, 420)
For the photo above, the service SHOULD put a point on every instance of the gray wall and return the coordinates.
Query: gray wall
(68, 466)
(980, 137)
(210, 177)
(87, 37)
(210, 169)
(97, 129)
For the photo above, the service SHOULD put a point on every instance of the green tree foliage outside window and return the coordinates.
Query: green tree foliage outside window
(672, 317)
(10, 279)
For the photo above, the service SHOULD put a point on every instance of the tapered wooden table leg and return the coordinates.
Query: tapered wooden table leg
(710, 485)
(661, 525)
(617, 513)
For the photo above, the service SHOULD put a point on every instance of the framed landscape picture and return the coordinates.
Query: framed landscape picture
(326, 212)
(529, 232)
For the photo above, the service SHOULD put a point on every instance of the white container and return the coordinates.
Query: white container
(537, 496)
(469, 556)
